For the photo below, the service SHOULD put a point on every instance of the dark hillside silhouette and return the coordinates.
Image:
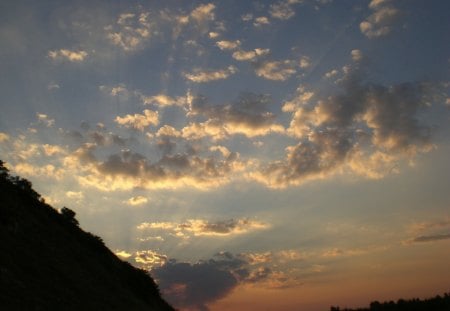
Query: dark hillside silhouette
(438, 303)
(48, 263)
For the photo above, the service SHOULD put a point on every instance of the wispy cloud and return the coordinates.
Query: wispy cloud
(70, 55)
(130, 31)
(432, 238)
(283, 9)
(137, 200)
(200, 227)
(202, 76)
(276, 70)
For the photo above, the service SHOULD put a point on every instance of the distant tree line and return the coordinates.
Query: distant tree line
(438, 303)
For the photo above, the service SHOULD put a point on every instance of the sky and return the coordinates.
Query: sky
(252, 155)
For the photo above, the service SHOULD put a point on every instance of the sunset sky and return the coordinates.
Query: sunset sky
(254, 155)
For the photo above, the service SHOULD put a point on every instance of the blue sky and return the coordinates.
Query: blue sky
(251, 151)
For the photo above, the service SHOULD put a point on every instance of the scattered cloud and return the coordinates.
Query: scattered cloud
(137, 200)
(47, 171)
(204, 12)
(252, 55)
(51, 150)
(304, 62)
(63, 54)
(228, 45)
(357, 55)
(163, 100)
(213, 35)
(283, 9)
(149, 259)
(3, 137)
(334, 131)
(139, 121)
(123, 254)
(202, 76)
(248, 115)
(53, 86)
(77, 195)
(381, 21)
(331, 74)
(45, 119)
(261, 21)
(276, 70)
(130, 31)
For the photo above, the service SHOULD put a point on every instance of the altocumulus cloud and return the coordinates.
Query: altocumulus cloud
(366, 124)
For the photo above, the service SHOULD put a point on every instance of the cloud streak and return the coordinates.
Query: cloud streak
(200, 227)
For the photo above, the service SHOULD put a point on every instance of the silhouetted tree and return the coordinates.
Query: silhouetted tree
(69, 215)
(4, 172)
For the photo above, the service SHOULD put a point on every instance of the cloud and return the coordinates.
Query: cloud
(139, 121)
(130, 31)
(331, 74)
(3, 137)
(200, 227)
(357, 55)
(431, 238)
(430, 231)
(304, 62)
(123, 254)
(149, 259)
(135, 201)
(45, 119)
(380, 22)
(248, 115)
(367, 124)
(204, 12)
(187, 285)
(168, 131)
(127, 170)
(228, 45)
(202, 76)
(52, 86)
(47, 171)
(51, 150)
(283, 9)
(73, 56)
(252, 55)
(195, 285)
(276, 70)
(213, 35)
(75, 195)
(163, 100)
(261, 21)
(118, 90)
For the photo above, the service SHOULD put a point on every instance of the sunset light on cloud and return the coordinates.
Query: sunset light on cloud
(286, 154)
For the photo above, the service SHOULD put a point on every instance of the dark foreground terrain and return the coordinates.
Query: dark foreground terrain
(48, 263)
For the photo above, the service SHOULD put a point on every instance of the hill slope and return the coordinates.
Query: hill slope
(48, 263)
